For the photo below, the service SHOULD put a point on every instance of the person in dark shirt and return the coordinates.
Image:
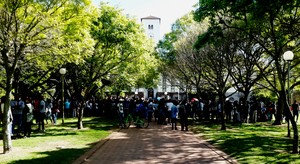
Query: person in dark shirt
(295, 108)
(183, 115)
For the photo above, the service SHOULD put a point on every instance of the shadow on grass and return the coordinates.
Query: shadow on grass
(96, 123)
(66, 155)
(253, 146)
(70, 127)
(251, 143)
(60, 156)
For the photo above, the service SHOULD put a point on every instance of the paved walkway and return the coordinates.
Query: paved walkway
(156, 144)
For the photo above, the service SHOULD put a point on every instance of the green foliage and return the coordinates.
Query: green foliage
(213, 35)
(273, 25)
(119, 49)
(165, 47)
(44, 35)
(274, 28)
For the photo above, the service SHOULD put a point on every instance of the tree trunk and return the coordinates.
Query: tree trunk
(7, 118)
(222, 100)
(286, 111)
(279, 112)
(245, 107)
(80, 116)
(289, 116)
(295, 129)
(288, 127)
(198, 92)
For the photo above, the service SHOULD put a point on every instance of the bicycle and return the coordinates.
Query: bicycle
(128, 120)
(141, 122)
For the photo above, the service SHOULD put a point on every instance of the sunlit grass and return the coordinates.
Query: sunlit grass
(60, 143)
(251, 143)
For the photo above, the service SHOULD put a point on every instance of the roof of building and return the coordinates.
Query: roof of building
(150, 17)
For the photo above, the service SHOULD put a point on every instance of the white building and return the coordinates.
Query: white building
(151, 26)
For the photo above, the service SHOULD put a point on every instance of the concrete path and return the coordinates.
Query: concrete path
(156, 144)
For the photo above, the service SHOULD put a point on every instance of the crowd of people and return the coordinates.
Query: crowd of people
(28, 111)
(25, 110)
(168, 111)
(38, 111)
(161, 111)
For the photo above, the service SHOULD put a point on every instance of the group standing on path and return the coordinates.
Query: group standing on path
(170, 112)
(162, 112)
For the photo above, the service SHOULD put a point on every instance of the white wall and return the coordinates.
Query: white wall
(152, 33)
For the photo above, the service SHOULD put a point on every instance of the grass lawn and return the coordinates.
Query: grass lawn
(251, 143)
(59, 144)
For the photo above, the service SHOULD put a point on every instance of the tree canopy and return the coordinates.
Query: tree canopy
(99, 47)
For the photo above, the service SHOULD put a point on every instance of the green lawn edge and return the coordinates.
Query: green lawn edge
(60, 144)
(250, 143)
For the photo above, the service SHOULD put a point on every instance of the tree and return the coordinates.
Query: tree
(181, 61)
(165, 47)
(216, 72)
(118, 40)
(247, 64)
(274, 25)
(188, 67)
(28, 26)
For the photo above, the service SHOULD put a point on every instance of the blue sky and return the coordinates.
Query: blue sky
(167, 10)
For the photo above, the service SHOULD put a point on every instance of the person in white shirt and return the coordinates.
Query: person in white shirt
(42, 114)
(120, 111)
(169, 105)
(28, 112)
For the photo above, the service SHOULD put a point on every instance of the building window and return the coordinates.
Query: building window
(150, 27)
(172, 88)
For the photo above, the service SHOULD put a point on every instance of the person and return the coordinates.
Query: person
(161, 112)
(55, 111)
(271, 110)
(49, 107)
(253, 111)
(17, 109)
(88, 108)
(150, 111)
(36, 112)
(28, 112)
(236, 110)
(169, 105)
(156, 112)
(200, 110)
(74, 106)
(212, 109)
(295, 108)
(120, 111)
(228, 110)
(67, 108)
(42, 114)
(173, 116)
(183, 115)
(194, 104)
